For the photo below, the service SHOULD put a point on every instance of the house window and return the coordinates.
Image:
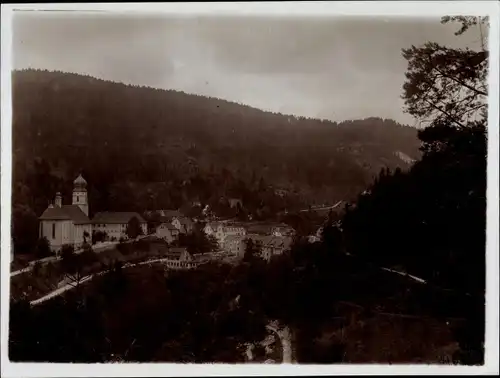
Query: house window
(53, 230)
(77, 199)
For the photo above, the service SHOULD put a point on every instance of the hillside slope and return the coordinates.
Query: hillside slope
(142, 136)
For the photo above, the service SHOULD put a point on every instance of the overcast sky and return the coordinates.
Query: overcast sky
(332, 68)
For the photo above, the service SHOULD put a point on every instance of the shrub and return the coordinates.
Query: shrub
(43, 248)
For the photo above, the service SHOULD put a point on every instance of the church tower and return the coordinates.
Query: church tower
(80, 194)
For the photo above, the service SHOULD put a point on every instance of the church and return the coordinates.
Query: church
(70, 224)
(67, 224)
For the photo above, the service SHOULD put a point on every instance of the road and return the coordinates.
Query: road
(96, 248)
(70, 286)
(285, 337)
(415, 278)
(62, 290)
(321, 208)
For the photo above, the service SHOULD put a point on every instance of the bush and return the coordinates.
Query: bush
(142, 245)
(36, 268)
(124, 248)
(67, 250)
(134, 228)
(98, 236)
(43, 248)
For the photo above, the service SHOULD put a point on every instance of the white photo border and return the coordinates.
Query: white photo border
(310, 9)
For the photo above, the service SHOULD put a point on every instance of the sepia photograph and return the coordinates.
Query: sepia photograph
(210, 188)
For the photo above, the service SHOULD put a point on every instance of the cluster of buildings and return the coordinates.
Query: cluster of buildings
(70, 224)
(273, 239)
(64, 224)
(172, 223)
(231, 237)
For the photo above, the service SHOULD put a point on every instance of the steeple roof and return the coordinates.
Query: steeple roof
(80, 182)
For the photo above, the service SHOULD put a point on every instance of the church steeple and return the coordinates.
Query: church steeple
(80, 194)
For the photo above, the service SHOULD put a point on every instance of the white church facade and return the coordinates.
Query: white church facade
(67, 224)
(70, 224)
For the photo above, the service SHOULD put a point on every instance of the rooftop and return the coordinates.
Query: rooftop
(175, 252)
(65, 212)
(279, 242)
(171, 213)
(168, 225)
(231, 238)
(185, 221)
(116, 217)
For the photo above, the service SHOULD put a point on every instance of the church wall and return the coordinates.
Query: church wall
(57, 233)
(79, 231)
(66, 237)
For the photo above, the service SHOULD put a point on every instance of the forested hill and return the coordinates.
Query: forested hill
(117, 133)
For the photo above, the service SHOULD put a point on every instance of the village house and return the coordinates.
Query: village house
(166, 213)
(266, 228)
(167, 231)
(258, 239)
(282, 229)
(225, 230)
(115, 224)
(183, 224)
(211, 228)
(234, 202)
(179, 258)
(259, 228)
(180, 254)
(281, 192)
(67, 224)
(313, 239)
(275, 246)
(221, 230)
(234, 245)
(270, 245)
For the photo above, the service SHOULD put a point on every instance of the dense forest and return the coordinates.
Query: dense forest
(142, 148)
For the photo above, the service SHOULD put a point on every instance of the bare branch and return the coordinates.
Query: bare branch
(458, 81)
(445, 113)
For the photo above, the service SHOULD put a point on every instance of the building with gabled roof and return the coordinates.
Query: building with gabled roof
(179, 254)
(67, 224)
(275, 246)
(170, 214)
(115, 223)
(269, 228)
(234, 244)
(167, 231)
(235, 202)
(211, 228)
(183, 224)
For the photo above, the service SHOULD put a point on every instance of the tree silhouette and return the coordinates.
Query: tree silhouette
(43, 248)
(75, 265)
(134, 228)
(253, 250)
(431, 220)
(447, 85)
(197, 242)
